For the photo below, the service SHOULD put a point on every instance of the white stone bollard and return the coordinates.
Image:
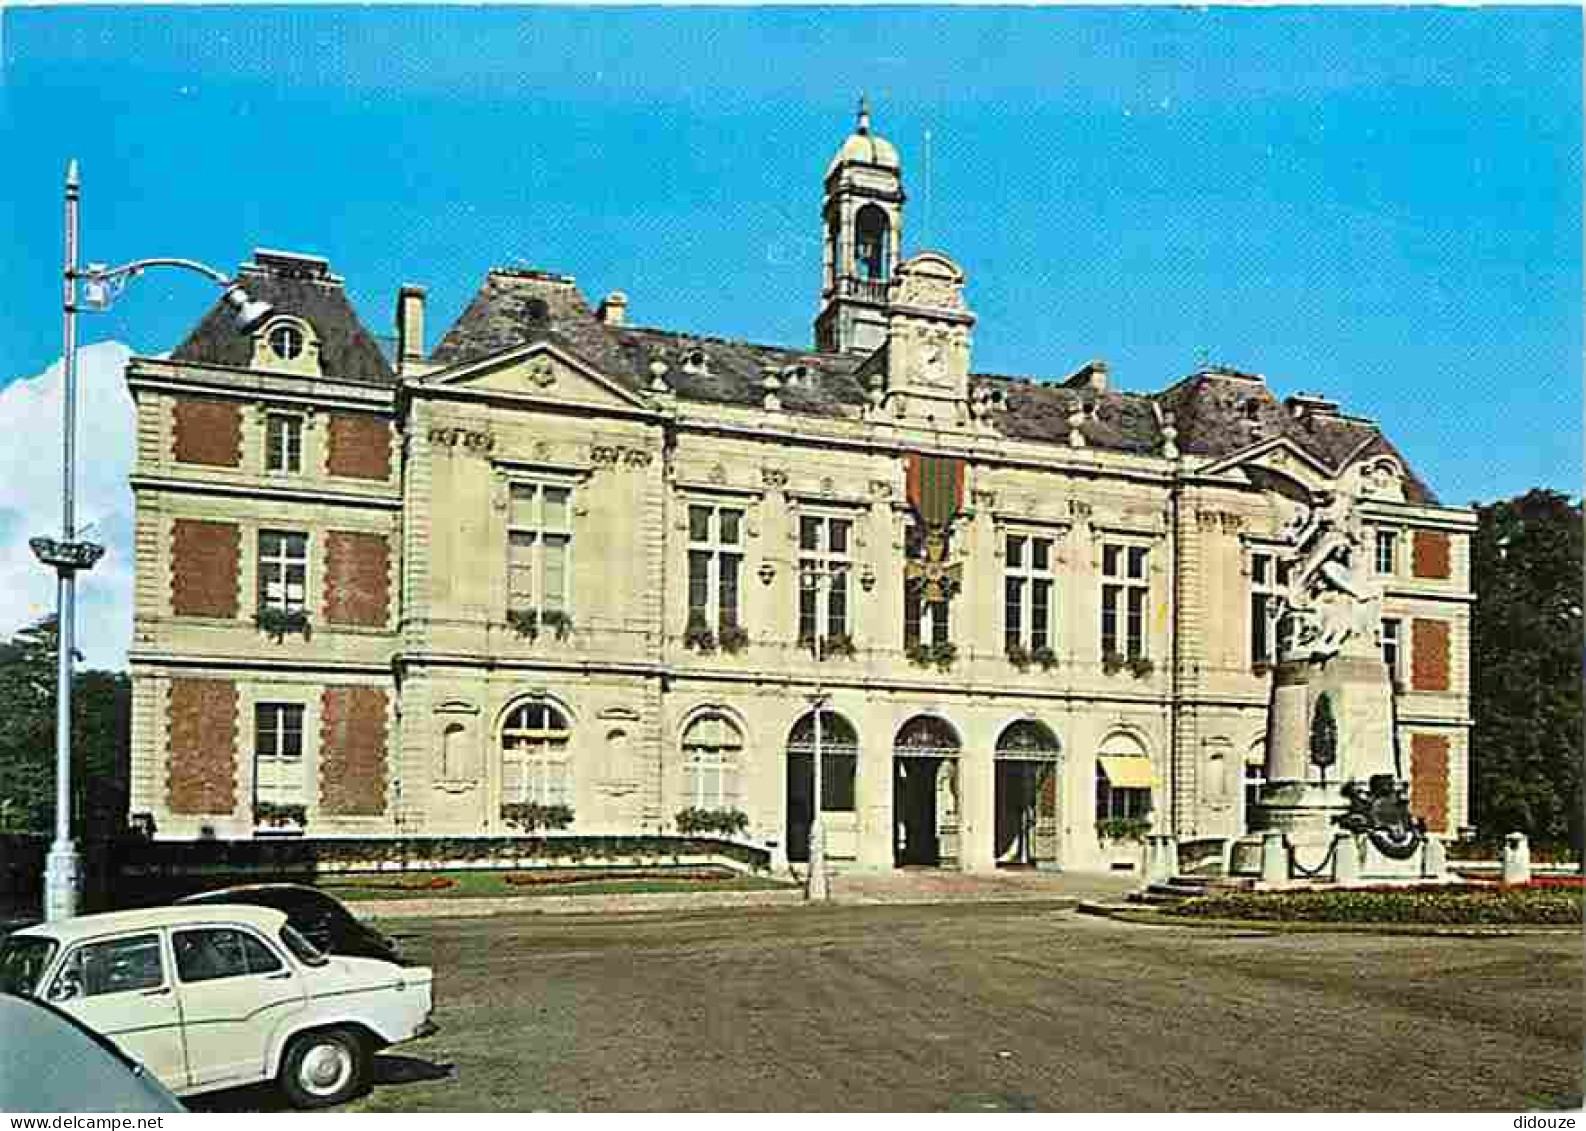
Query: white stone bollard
(1346, 859)
(1516, 859)
(1434, 860)
(1274, 858)
(1161, 858)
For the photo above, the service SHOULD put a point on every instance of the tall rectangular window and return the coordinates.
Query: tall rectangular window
(1125, 597)
(1027, 592)
(1269, 580)
(715, 564)
(283, 443)
(1391, 647)
(1387, 552)
(924, 622)
(539, 547)
(283, 570)
(278, 777)
(824, 562)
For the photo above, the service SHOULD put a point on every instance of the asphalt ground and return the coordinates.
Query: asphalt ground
(974, 1007)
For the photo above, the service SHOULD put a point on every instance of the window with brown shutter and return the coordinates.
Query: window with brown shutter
(1429, 655)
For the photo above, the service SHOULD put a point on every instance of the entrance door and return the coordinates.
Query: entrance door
(914, 785)
(1026, 830)
(800, 790)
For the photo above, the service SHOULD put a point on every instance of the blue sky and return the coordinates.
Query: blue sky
(1383, 205)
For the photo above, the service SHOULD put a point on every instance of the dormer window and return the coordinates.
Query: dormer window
(286, 341)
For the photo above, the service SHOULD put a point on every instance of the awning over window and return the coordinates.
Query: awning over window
(1127, 772)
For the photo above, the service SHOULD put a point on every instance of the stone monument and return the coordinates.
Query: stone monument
(1335, 801)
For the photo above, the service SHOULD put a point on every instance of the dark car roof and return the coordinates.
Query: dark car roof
(282, 896)
(50, 1061)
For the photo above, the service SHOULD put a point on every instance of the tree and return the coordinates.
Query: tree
(1526, 668)
(1324, 734)
(101, 739)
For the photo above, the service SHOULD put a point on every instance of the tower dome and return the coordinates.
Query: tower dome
(864, 147)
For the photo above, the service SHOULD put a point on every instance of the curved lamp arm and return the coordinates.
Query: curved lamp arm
(102, 284)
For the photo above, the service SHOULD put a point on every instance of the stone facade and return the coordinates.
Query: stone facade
(562, 559)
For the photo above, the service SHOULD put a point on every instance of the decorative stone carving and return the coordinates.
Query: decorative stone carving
(880, 490)
(767, 572)
(541, 373)
(1079, 509)
(718, 474)
(1330, 599)
(984, 498)
(614, 455)
(475, 441)
(828, 486)
(773, 477)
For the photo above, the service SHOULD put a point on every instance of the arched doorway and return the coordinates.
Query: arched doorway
(925, 793)
(839, 758)
(1027, 808)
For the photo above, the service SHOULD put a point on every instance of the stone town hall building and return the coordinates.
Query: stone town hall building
(557, 557)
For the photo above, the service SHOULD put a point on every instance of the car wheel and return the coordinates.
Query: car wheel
(323, 1068)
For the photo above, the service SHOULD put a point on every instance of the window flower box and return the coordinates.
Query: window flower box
(726, 822)
(529, 623)
(1115, 829)
(276, 818)
(733, 639)
(530, 816)
(698, 635)
(276, 622)
(940, 656)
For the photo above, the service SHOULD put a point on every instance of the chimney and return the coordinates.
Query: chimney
(1092, 375)
(613, 309)
(409, 327)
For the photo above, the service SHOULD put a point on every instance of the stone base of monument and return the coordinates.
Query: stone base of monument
(1277, 860)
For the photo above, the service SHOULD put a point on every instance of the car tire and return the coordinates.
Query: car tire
(324, 1067)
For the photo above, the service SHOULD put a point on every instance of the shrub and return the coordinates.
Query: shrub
(273, 813)
(733, 639)
(839, 644)
(276, 623)
(1045, 657)
(1141, 666)
(1123, 828)
(1435, 905)
(941, 656)
(1018, 655)
(698, 635)
(1113, 662)
(529, 622)
(727, 822)
(530, 816)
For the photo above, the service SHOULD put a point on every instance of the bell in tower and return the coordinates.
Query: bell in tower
(863, 214)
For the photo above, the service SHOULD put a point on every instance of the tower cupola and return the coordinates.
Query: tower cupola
(862, 216)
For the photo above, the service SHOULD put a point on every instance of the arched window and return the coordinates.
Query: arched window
(534, 757)
(927, 736)
(839, 757)
(1028, 739)
(712, 751)
(870, 243)
(1124, 779)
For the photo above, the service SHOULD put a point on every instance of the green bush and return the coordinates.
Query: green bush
(1436, 905)
(1123, 828)
(727, 822)
(530, 815)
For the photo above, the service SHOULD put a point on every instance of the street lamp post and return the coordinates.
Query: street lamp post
(817, 576)
(69, 555)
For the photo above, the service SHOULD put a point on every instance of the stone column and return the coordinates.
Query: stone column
(1434, 862)
(1274, 858)
(873, 798)
(977, 816)
(1288, 729)
(1346, 859)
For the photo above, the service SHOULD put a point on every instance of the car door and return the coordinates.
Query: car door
(122, 988)
(235, 990)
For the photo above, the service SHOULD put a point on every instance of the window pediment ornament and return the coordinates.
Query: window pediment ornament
(620, 455)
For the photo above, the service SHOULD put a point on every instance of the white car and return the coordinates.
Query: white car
(220, 996)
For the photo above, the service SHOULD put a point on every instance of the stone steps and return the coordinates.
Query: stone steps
(1179, 888)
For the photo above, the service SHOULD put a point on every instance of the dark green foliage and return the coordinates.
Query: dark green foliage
(1526, 670)
(101, 739)
(1123, 828)
(727, 822)
(1324, 734)
(530, 816)
(1446, 905)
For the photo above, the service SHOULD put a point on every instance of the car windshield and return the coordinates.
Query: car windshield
(306, 952)
(22, 962)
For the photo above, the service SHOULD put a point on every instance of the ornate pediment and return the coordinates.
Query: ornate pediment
(541, 372)
(1277, 465)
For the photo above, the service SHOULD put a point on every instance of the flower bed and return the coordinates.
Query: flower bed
(1535, 903)
(417, 883)
(541, 877)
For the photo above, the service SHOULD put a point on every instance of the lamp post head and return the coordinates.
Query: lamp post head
(246, 313)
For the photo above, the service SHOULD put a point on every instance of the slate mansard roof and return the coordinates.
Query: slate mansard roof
(1216, 412)
(301, 286)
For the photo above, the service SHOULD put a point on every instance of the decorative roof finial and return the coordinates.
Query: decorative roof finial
(864, 114)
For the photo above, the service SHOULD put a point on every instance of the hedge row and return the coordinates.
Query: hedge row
(1445, 905)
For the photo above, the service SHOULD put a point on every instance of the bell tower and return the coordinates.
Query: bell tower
(862, 217)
